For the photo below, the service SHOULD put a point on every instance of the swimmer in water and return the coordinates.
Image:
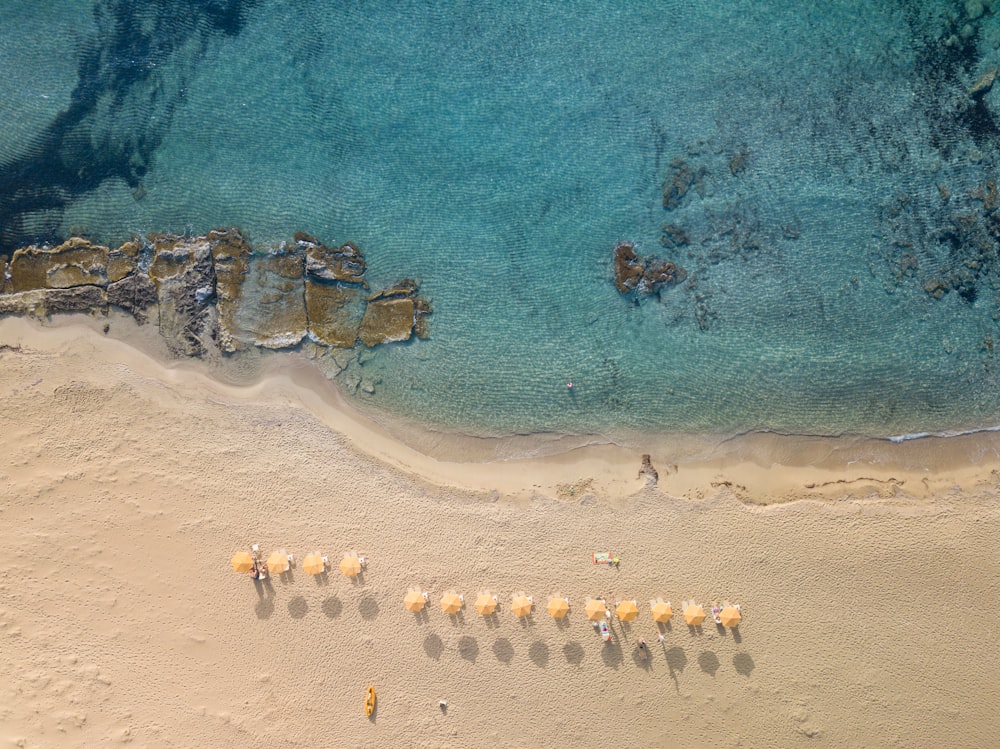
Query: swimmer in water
(569, 385)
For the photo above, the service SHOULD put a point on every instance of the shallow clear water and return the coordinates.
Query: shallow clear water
(497, 151)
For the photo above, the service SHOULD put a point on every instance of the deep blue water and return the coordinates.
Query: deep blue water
(497, 151)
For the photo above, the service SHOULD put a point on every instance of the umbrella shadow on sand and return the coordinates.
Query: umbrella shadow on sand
(676, 661)
(708, 662)
(743, 664)
(433, 646)
(332, 607)
(297, 607)
(468, 648)
(573, 652)
(369, 608)
(539, 653)
(503, 650)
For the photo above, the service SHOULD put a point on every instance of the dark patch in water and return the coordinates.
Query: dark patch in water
(118, 113)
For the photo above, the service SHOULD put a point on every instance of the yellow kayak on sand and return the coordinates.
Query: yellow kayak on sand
(370, 701)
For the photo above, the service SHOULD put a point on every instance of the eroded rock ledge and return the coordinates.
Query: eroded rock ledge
(218, 290)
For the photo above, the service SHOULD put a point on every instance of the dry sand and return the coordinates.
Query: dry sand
(126, 486)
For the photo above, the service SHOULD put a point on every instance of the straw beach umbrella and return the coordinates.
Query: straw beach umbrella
(313, 564)
(414, 600)
(350, 566)
(277, 563)
(558, 607)
(694, 614)
(522, 605)
(595, 609)
(661, 611)
(627, 611)
(452, 603)
(730, 616)
(242, 562)
(486, 603)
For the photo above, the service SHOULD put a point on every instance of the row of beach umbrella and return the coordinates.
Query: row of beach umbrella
(281, 561)
(596, 609)
(486, 603)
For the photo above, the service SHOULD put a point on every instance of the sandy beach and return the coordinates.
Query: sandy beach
(866, 573)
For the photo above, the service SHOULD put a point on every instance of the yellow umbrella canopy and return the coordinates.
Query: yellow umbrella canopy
(414, 600)
(558, 608)
(661, 611)
(242, 562)
(350, 566)
(313, 564)
(521, 605)
(451, 603)
(694, 614)
(595, 609)
(627, 611)
(486, 604)
(277, 563)
(730, 616)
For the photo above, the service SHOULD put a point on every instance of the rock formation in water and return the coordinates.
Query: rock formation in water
(394, 314)
(643, 275)
(216, 290)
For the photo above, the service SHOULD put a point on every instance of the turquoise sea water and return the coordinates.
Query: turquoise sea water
(497, 151)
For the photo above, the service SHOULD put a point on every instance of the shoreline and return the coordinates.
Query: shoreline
(130, 483)
(756, 468)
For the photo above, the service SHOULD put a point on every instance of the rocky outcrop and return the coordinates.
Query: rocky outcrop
(76, 262)
(45, 302)
(345, 263)
(231, 257)
(123, 261)
(391, 314)
(644, 276)
(334, 291)
(134, 294)
(273, 301)
(217, 287)
(184, 275)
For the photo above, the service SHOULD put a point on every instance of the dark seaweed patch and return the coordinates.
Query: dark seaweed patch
(119, 82)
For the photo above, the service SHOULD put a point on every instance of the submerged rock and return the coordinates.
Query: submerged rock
(272, 307)
(76, 262)
(984, 83)
(44, 302)
(679, 181)
(182, 269)
(390, 315)
(645, 276)
(334, 312)
(231, 257)
(421, 322)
